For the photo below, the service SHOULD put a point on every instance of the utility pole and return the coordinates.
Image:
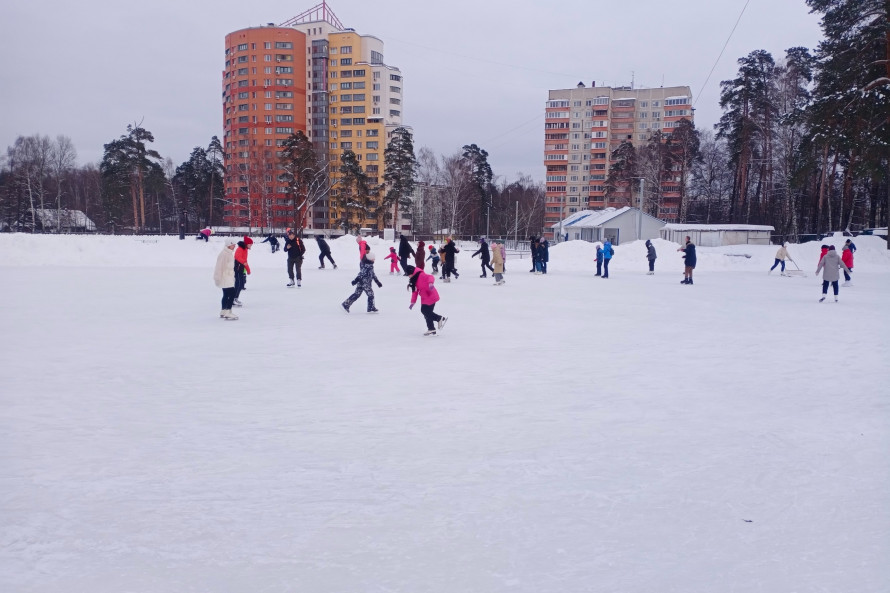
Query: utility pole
(640, 213)
(516, 227)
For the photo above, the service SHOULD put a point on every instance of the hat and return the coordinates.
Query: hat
(370, 256)
(392, 248)
(248, 240)
(230, 242)
(831, 248)
(431, 247)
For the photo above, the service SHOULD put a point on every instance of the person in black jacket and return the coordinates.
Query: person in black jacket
(689, 260)
(650, 255)
(272, 240)
(294, 248)
(486, 256)
(405, 251)
(324, 252)
(448, 267)
(533, 248)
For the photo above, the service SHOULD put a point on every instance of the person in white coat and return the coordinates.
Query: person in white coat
(830, 264)
(224, 277)
(781, 256)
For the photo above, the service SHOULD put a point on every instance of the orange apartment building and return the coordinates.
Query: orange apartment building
(311, 74)
(584, 125)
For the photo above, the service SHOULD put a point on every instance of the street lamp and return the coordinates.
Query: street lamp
(640, 214)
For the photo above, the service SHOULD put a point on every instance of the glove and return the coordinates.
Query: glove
(353, 282)
(379, 284)
(411, 306)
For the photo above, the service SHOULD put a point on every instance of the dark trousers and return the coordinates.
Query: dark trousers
(599, 267)
(293, 262)
(240, 283)
(228, 298)
(825, 284)
(448, 269)
(429, 315)
(326, 255)
(778, 261)
(846, 276)
(486, 263)
(605, 268)
(435, 266)
(651, 265)
(404, 261)
(359, 289)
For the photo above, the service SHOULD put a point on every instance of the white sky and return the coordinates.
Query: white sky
(475, 72)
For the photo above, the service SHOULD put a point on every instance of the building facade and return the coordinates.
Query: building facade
(583, 127)
(344, 98)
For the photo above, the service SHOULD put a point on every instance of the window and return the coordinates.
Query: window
(242, 72)
(345, 87)
(267, 106)
(284, 106)
(284, 45)
(395, 77)
(346, 61)
(242, 107)
(376, 57)
(557, 103)
(346, 121)
(267, 45)
(284, 70)
(395, 89)
(372, 132)
(358, 97)
(243, 95)
(358, 85)
(284, 130)
(677, 101)
(601, 101)
(359, 121)
(284, 118)
(358, 73)
(373, 145)
(676, 112)
(268, 119)
(373, 156)
(346, 49)
(655, 103)
(242, 47)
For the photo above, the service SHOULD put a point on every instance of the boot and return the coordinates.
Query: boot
(690, 281)
(684, 281)
(222, 313)
(822, 299)
(230, 316)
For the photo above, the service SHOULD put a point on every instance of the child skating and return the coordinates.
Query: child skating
(434, 256)
(362, 284)
(394, 261)
(421, 284)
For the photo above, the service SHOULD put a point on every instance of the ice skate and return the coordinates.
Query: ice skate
(822, 299)
(230, 316)
(684, 281)
(373, 310)
(335, 266)
(650, 273)
(237, 303)
(441, 323)
(430, 332)
(222, 313)
(345, 306)
(847, 284)
(321, 267)
(835, 299)
(291, 283)
(298, 284)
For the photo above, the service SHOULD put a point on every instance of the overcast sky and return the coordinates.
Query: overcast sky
(475, 71)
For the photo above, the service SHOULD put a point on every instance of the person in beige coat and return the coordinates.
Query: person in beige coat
(781, 256)
(224, 277)
(497, 260)
(830, 264)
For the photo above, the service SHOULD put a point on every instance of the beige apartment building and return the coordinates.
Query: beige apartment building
(308, 74)
(584, 125)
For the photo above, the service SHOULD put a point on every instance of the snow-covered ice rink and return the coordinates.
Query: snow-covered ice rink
(564, 434)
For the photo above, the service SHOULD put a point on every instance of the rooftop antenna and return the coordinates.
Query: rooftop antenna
(662, 80)
(632, 79)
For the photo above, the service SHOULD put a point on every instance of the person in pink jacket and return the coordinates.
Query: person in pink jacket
(394, 261)
(421, 284)
(362, 247)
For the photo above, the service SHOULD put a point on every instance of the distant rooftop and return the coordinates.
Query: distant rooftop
(318, 13)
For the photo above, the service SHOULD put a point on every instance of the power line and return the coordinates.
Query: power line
(717, 61)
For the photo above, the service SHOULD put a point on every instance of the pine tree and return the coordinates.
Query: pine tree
(400, 167)
(482, 175)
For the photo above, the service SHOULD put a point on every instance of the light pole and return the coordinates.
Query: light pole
(640, 213)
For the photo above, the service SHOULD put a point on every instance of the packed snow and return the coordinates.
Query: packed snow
(564, 433)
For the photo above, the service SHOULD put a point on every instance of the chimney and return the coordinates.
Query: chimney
(580, 85)
(592, 83)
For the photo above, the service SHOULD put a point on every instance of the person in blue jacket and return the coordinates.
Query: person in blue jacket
(608, 252)
(689, 260)
(544, 253)
(599, 259)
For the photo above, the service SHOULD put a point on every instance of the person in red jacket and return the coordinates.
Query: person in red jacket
(241, 268)
(421, 284)
(393, 258)
(362, 247)
(824, 251)
(847, 258)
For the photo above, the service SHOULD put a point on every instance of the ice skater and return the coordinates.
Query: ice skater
(324, 251)
(362, 247)
(434, 257)
(362, 284)
(204, 234)
(781, 256)
(295, 249)
(224, 278)
(689, 260)
(485, 254)
(650, 255)
(394, 261)
(422, 284)
(405, 251)
(420, 255)
(830, 264)
(272, 240)
(451, 252)
(497, 258)
(543, 254)
(847, 258)
(242, 269)
(608, 252)
(599, 260)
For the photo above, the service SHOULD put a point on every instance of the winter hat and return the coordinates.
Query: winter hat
(432, 248)
(831, 248)
(248, 240)
(392, 248)
(230, 242)
(370, 256)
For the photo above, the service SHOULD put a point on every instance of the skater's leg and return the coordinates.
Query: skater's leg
(299, 266)
(428, 316)
(370, 292)
(354, 296)
(291, 262)
(321, 260)
(776, 263)
(834, 286)
(825, 284)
